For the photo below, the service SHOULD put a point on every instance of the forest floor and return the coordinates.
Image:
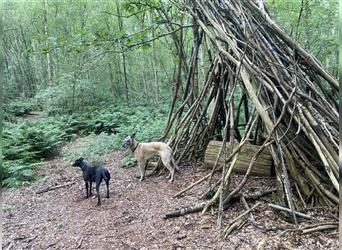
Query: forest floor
(132, 218)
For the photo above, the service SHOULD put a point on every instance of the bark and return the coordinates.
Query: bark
(47, 54)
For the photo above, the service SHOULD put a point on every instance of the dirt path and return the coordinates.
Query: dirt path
(133, 216)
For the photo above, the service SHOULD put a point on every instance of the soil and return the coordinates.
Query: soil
(132, 218)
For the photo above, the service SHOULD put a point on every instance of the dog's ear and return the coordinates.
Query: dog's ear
(81, 159)
(133, 135)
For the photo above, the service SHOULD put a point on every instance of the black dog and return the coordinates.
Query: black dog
(93, 174)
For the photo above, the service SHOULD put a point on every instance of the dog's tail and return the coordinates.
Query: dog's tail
(106, 176)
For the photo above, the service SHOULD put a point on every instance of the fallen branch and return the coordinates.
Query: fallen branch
(187, 210)
(192, 185)
(10, 246)
(235, 225)
(243, 214)
(311, 228)
(262, 243)
(198, 207)
(55, 187)
(289, 211)
(79, 242)
(237, 221)
(258, 194)
(319, 228)
(243, 199)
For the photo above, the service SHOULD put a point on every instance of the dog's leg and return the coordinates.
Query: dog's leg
(87, 186)
(172, 173)
(167, 163)
(107, 184)
(174, 163)
(98, 192)
(90, 188)
(142, 170)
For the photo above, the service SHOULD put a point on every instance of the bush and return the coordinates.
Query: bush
(72, 95)
(93, 147)
(148, 123)
(24, 145)
(30, 141)
(18, 172)
(19, 107)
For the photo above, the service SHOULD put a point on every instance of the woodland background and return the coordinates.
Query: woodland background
(107, 68)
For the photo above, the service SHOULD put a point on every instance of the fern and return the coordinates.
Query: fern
(27, 143)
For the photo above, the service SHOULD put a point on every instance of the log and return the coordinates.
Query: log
(262, 166)
(186, 210)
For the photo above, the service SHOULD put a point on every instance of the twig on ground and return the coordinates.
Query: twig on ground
(55, 187)
(262, 243)
(80, 242)
(319, 228)
(247, 207)
(235, 225)
(10, 246)
(284, 209)
(192, 185)
(244, 213)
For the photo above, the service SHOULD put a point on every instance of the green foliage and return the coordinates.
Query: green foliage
(71, 95)
(30, 141)
(26, 144)
(20, 107)
(128, 160)
(23, 146)
(312, 23)
(146, 122)
(90, 75)
(6, 207)
(94, 148)
(19, 173)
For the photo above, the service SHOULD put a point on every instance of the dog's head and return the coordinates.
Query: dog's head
(78, 162)
(129, 139)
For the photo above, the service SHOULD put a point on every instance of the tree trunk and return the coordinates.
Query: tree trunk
(120, 22)
(154, 64)
(48, 58)
(111, 78)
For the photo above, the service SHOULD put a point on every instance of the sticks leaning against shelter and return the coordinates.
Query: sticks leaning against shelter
(294, 97)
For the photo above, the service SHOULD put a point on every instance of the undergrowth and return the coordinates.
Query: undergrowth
(27, 144)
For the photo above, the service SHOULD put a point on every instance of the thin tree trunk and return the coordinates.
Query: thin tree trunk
(111, 78)
(144, 77)
(48, 59)
(125, 75)
(29, 69)
(120, 21)
(154, 63)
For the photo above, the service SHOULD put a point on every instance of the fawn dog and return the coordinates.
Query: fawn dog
(144, 151)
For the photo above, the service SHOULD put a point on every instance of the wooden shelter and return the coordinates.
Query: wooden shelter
(264, 88)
